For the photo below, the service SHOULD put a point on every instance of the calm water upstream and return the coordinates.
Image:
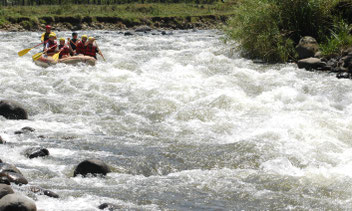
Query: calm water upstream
(185, 123)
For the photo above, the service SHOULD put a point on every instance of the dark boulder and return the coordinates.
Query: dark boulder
(109, 206)
(25, 130)
(16, 202)
(4, 190)
(2, 142)
(0, 161)
(12, 110)
(41, 191)
(128, 33)
(307, 47)
(312, 64)
(91, 166)
(36, 152)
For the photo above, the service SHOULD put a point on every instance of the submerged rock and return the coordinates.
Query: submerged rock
(307, 47)
(12, 110)
(5, 190)
(25, 130)
(36, 152)
(312, 63)
(91, 166)
(109, 206)
(2, 142)
(12, 202)
(41, 191)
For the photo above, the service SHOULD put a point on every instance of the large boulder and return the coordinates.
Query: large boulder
(36, 152)
(4, 190)
(12, 110)
(312, 64)
(91, 166)
(16, 202)
(307, 47)
(2, 142)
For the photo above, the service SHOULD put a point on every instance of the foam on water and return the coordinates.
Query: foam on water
(184, 122)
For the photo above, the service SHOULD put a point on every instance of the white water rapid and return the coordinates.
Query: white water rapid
(185, 124)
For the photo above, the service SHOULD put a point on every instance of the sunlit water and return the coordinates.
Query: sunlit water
(185, 124)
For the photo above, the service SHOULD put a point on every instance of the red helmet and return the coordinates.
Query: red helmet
(48, 26)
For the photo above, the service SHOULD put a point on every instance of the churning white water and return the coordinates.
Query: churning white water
(185, 123)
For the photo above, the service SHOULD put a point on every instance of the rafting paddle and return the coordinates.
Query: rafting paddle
(56, 56)
(36, 56)
(25, 51)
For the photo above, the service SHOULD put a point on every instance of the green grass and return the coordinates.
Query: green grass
(132, 10)
(270, 29)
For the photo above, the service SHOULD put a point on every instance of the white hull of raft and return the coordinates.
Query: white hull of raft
(48, 61)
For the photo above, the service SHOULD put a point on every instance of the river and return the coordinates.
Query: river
(184, 122)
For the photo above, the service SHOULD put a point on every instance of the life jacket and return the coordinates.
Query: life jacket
(91, 50)
(81, 49)
(51, 44)
(65, 51)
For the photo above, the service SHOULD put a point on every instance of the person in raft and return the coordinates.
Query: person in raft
(45, 36)
(73, 43)
(81, 47)
(51, 45)
(92, 48)
(64, 49)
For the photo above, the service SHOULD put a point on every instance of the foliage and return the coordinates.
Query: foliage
(269, 29)
(340, 39)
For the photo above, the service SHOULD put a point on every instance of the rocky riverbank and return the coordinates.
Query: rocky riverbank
(113, 23)
(310, 58)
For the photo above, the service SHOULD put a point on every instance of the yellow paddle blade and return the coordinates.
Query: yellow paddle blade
(56, 56)
(24, 52)
(37, 56)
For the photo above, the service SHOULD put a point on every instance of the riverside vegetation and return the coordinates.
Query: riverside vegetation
(270, 29)
(127, 15)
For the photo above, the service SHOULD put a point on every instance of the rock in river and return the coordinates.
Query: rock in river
(5, 189)
(36, 152)
(307, 47)
(91, 166)
(12, 174)
(12, 110)
(12, 202)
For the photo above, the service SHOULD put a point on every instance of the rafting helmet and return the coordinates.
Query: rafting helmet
(52, 35)
(62, 39)
(90, 38)
(48, 27)
(84, 36)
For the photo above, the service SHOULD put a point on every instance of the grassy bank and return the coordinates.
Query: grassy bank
(72, 14)
(270, 29)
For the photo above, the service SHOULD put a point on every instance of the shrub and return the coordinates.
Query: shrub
(269, 29)
(340, 39)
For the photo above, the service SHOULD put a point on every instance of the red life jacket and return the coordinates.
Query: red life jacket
(51, 44)
(65, 51)
(81, 49)
(91, 50)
